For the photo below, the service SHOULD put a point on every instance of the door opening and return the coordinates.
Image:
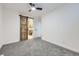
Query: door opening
(30, 28)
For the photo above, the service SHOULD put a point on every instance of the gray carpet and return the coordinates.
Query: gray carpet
(0, 51)
(35, 47)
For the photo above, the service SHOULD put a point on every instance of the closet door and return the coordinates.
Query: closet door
(23, 28)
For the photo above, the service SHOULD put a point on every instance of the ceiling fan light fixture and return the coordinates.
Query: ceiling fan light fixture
(33, 8)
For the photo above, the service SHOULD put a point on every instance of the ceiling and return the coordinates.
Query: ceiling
(22, 8)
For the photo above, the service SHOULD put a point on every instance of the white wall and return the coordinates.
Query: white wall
(61, 27)
(11, 26)
(1, 25)
(37, 27)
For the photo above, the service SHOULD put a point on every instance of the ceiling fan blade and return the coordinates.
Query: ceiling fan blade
(31, 4)
(39, 8)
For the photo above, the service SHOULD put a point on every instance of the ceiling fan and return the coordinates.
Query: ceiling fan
(34, 8)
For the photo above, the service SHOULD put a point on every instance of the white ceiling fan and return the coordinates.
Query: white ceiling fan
(34, 8)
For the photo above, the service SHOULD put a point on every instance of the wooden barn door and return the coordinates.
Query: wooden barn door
(23, 28)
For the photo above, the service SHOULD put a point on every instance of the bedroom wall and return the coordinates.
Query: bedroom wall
(61, 27)
(37, 27)
(1, 39)
(11, 25)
